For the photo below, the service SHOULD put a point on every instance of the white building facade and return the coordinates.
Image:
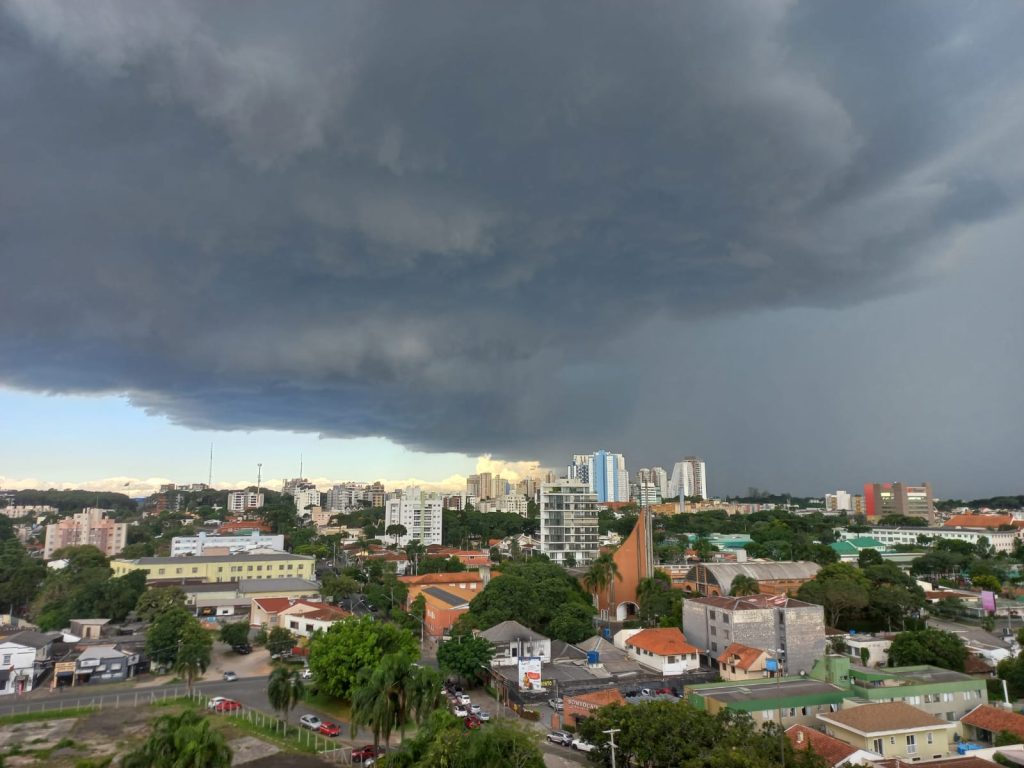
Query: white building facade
(419, 512)
(1001, 541)
(513, 503)
(194, 545)
(240, 501)
(568, 521)
(306, 496)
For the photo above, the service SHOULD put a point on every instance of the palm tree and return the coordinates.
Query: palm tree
(601, 576)
(425, 694)
(745, 585)
(284, 690)
(392, 693)
(181, 741)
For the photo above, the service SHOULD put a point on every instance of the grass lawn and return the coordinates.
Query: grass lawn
(53, 714)
(336, 708)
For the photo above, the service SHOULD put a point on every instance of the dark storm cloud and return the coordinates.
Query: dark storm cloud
(434, 222)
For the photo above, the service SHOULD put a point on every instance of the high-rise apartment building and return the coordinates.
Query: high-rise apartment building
(882, 499)
(473, 486)
(660, 478)
(568, 521)
(606, 475)
(689, 478)
(306, 495)
(840, 501)
(646, 493)
(90, 526)
(344, 497)
(419, 512)
(240, 501)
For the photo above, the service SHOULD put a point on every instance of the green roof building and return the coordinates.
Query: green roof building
(834, 681)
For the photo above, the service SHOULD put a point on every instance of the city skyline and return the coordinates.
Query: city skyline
(397, 239)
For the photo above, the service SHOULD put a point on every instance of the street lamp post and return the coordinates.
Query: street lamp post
(779, 661)
(611, 741)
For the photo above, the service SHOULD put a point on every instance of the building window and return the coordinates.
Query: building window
(878, 746)
(911, 744)
(7, 659)
(892, 740)
(928, 738)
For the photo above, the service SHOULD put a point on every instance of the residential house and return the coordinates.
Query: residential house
(892, 729)
(869, 650)
(301, 617)
(442, 608)
(474, 581)
(578, 706)
(834, 752)
(105, 664)
(985, 722)
(664, 650)
(512, 641)
(233, 599)
(782, 626)
(741, 662)
(17, 667)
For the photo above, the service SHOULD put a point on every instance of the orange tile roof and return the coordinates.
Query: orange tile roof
(597, 699)
(746, 656)
(462, 577)
(994, 720)
(327, 613)
(832, 750)
(278, 604)
(978, 521)
(888, 716)
(661, 642)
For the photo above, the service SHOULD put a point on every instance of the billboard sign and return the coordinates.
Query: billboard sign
(988, 601)
(529, 674)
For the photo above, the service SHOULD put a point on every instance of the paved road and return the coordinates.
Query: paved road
(974, 634)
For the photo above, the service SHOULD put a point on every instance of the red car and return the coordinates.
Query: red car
(228, 705)
(363, 753)
(330, 729)
(472, 722)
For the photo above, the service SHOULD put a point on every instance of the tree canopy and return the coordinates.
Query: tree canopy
(532, 593)
(928, 646)
(337, 655)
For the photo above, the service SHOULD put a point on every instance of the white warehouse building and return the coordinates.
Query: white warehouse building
(195, 545)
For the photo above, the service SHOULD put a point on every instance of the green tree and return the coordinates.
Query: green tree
(985, 581)
(1012, 671)
(601, 576)
(869, 557)
(20, 576)
(157, 601)
(440, 565)
(840, 588)
(337, 656)
(392, 693)
(181, 741)
(284, 690)
(572, 622)
(164, 635)
(396, 531)
(745, 585)
(193, 653)
(443, 742)
(280, 640)
(340, 587)
(659, 604)
(236, 633)
(928, 646)
(465, 657)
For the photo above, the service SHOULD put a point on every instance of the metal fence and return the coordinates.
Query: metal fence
(323, 746)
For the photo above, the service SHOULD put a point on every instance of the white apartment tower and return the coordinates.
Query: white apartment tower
(689, 478)
(568, 521)
(419, 512)
(306, 496)
(239, 501)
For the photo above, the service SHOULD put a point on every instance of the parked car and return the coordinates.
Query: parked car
(483, 716)
(560, 737)
(307, 673)
(230, 677)
(242, 649)
(460, 711)
(366, 755)
(645, 692)
(212, 703)
(665, 692)
(310, 721)
(582, 746)
(330, 729)
(556, 704)
(464, 700)
(472, 722)
(227, 705)
(474, 709)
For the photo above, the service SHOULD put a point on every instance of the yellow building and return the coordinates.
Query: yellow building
(891, 729)
(210, 569)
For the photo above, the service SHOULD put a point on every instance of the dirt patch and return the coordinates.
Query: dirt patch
(249, 748)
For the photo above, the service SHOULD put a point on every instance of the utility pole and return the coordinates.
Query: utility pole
(259, 477)
(611, 741)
